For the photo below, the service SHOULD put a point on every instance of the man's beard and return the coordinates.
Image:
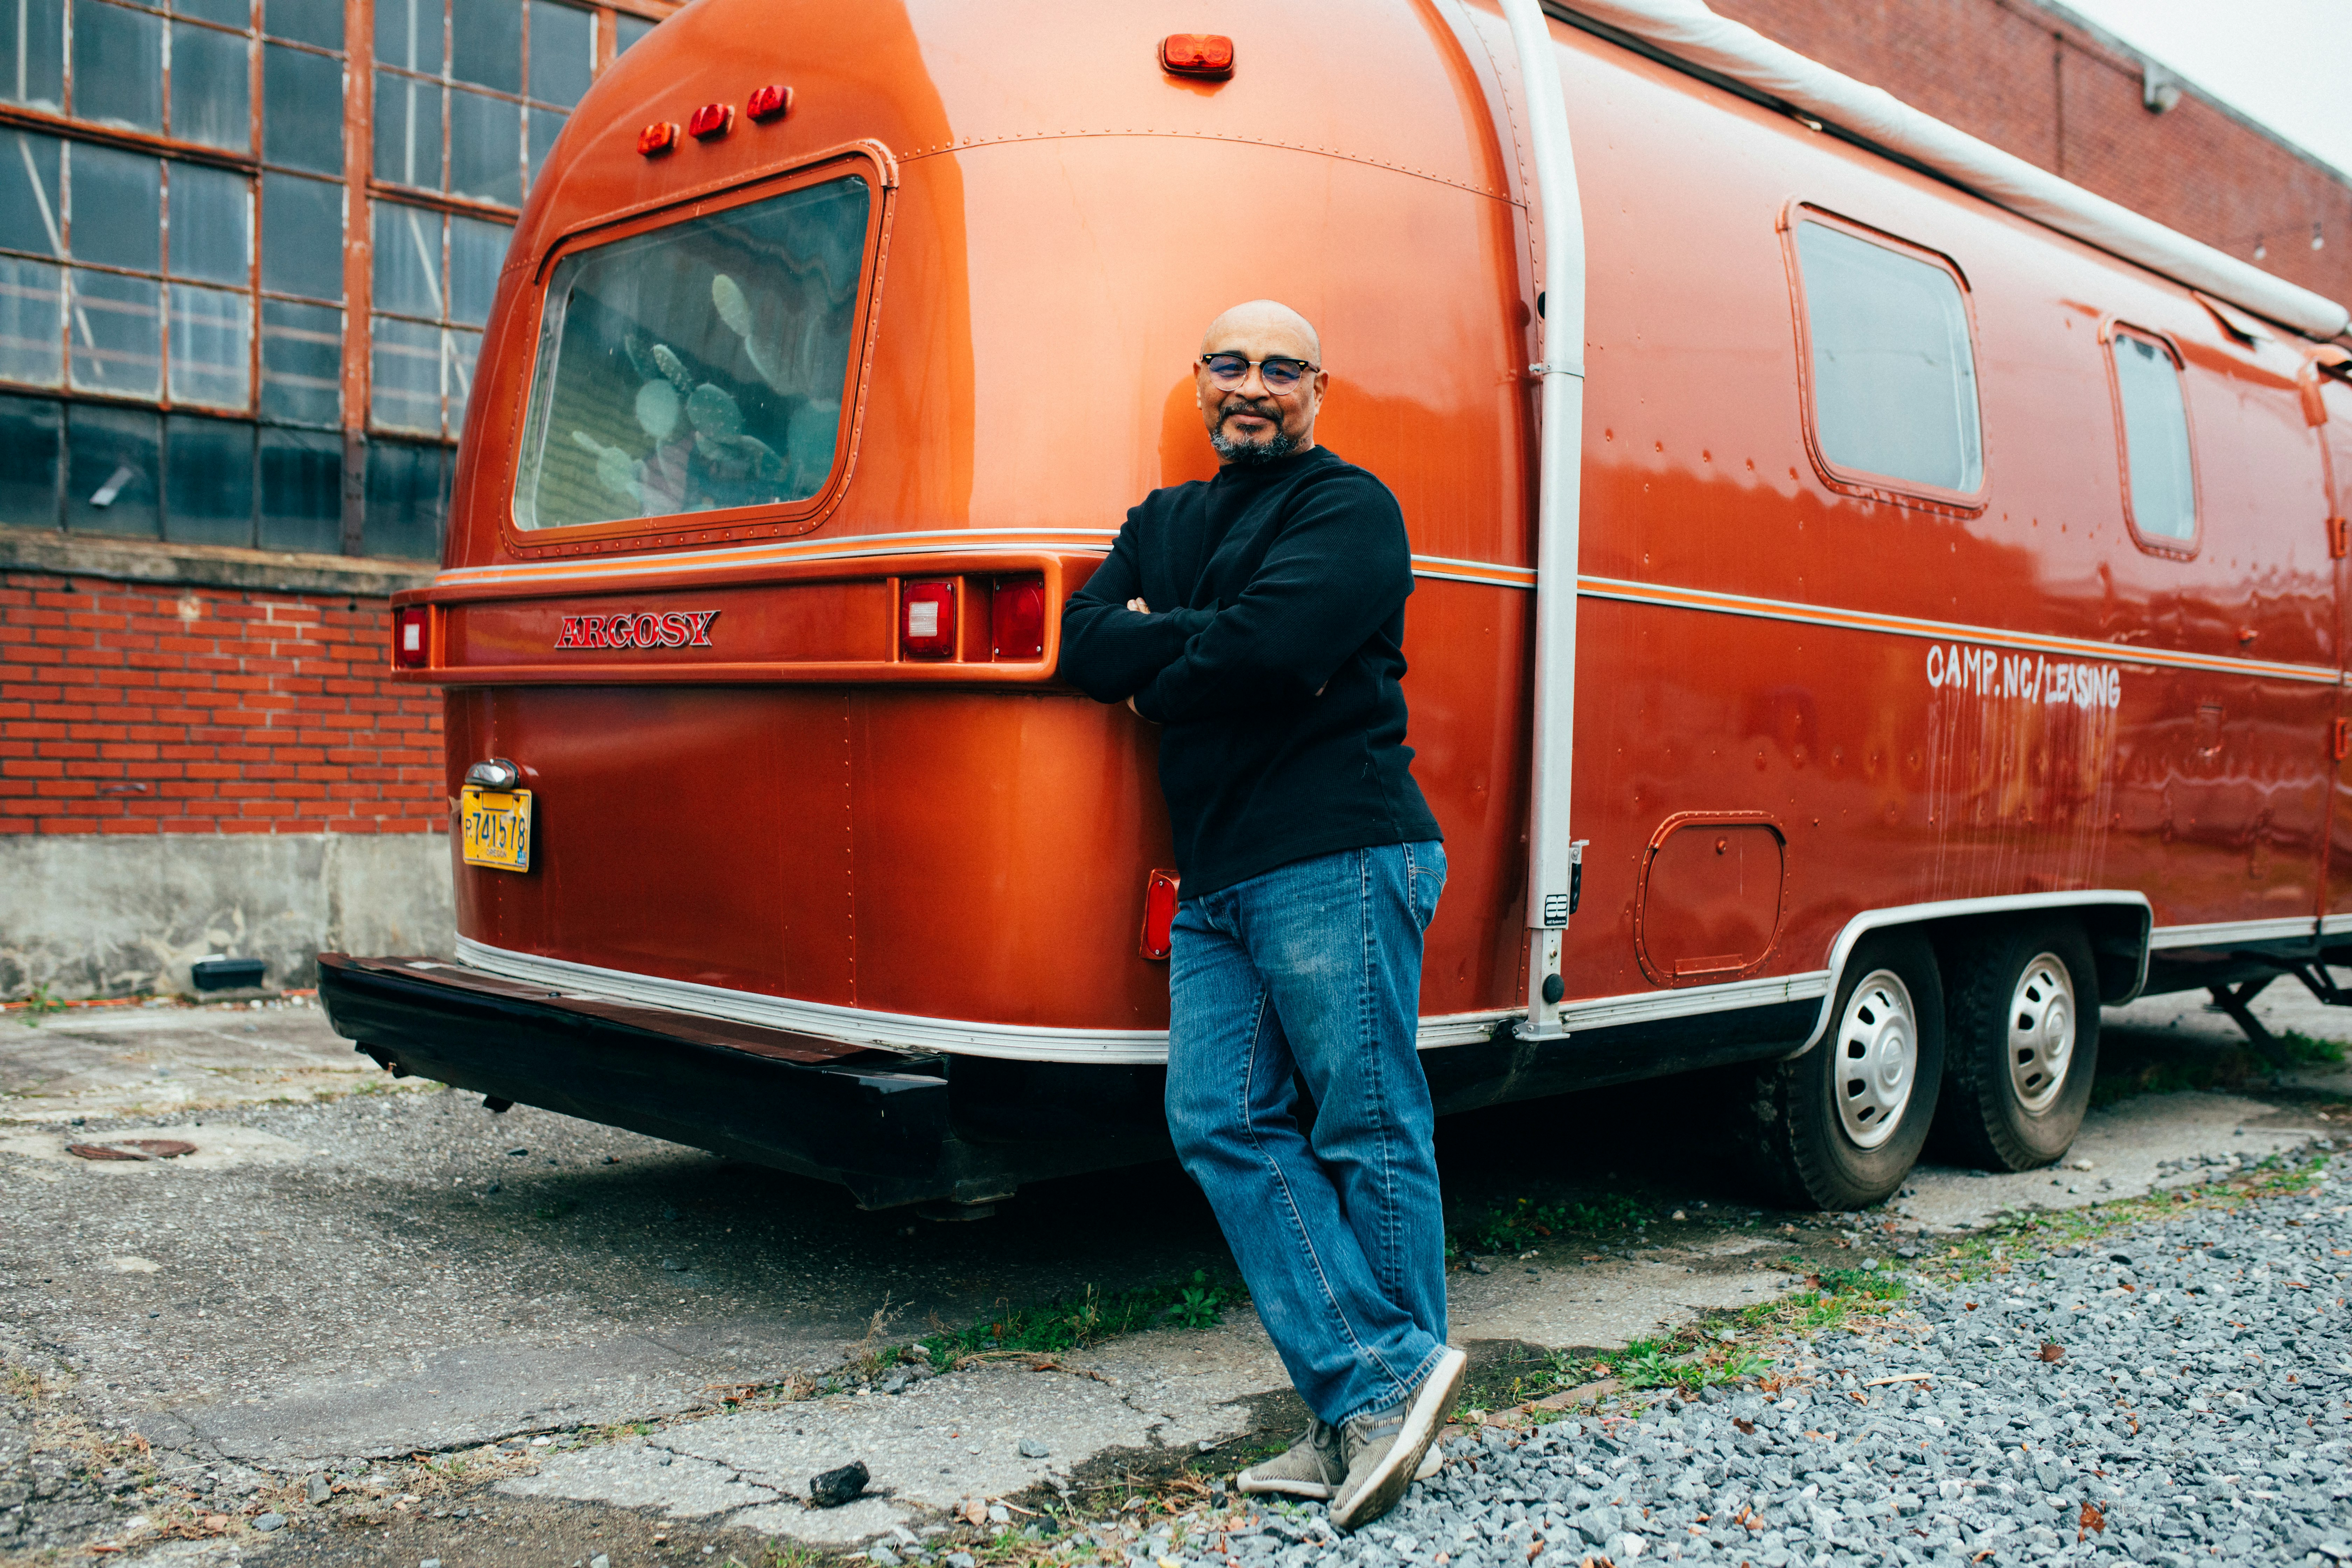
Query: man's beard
(1253, 454)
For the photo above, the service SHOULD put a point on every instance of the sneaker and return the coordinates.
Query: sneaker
(1310, 1468)
(1384, 1448)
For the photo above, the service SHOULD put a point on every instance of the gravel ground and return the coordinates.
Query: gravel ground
(2173, 1394)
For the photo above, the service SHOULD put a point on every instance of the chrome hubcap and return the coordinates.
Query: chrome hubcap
(1878, 1057)
(2040, 1033)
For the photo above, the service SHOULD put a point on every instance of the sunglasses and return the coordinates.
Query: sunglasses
(1229, 371)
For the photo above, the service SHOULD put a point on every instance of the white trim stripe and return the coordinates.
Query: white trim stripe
(572, 575)
(1943, 631)
(909, 1032)
(1653, 1006)
(886, 1031)
(2223, 933)
(556, 575)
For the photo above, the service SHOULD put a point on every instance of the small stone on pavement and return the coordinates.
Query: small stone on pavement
(834, 1487)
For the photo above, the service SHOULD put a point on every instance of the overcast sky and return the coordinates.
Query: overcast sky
(2281, 63)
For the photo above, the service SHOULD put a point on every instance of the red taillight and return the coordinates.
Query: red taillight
(711, 119)
(1159, 913)
(927, 620)
(1016, 618)
(771, 102)
(659, 137)
(1197, 54)
(412, 637)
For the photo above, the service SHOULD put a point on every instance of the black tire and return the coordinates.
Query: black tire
(1988, 1119)
(1795, 1142)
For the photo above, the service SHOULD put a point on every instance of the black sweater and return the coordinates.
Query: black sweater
(1272, 655)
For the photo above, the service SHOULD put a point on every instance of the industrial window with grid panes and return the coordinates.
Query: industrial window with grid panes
(188, 351)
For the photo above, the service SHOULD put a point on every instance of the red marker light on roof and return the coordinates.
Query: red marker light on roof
(412, 639)
(1016, 618)
(658, 138)
(711, 119)
(770, 102)
(1197, 54)
(927, 620)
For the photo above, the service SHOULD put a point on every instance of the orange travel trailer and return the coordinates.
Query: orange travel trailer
(1871, 608)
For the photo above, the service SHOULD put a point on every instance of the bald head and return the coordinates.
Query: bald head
(1256, 318)
(1249, 422)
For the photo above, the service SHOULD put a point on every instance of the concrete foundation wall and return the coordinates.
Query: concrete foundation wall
(113, 915)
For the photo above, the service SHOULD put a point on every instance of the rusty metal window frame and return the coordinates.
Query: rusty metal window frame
(352, 178)
(166, 274)
(446, 82)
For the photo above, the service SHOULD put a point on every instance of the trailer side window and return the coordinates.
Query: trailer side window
(2159, 480)
(1892, 372)
(698, 367)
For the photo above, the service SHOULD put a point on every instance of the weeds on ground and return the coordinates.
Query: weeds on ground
(1510, 1227)
(2303, 1047)
(2161, 1068)
(38, 1005)
(872, 1355)
(2022, 1238)
(1651, 1363)
(1087, 1318)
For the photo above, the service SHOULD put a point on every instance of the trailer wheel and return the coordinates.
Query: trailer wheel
(1839, 1127)
(2024, 1030)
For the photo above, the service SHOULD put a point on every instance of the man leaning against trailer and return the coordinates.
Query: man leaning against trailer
(1259, 617)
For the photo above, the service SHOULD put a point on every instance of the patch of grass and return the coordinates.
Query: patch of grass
(1506, 1227)
(2141, 1066)
(2022, 1238)
(1512, 1227)
(1087, 1318)
(39, 1005)
(2225, 1069)
(1656, 1366)
(1876, 1283)
(2303, 1048)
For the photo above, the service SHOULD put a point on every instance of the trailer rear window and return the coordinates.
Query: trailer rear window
(1892, 377)
(696, 368)
(2159, 482)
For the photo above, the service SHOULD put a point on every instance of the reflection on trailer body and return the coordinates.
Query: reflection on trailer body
(1957, 602)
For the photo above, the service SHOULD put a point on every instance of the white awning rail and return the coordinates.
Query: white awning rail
(1551, 853)
(1688, 31)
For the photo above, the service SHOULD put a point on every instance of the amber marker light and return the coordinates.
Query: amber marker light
(770, 102)
(711, 120)
(1197, 54)
(657, 139)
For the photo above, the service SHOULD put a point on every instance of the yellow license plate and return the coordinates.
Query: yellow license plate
(497, 825)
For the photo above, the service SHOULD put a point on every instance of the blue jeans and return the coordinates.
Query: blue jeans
(1312, 973)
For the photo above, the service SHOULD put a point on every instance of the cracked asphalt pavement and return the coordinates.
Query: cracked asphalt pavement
(368, 1321)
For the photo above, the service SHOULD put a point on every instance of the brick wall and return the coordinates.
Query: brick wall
(141, 709)
(2036, 84)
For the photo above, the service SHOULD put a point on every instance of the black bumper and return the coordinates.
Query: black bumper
(881, 1124)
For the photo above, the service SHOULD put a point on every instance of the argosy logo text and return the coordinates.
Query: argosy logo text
(644, 628)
